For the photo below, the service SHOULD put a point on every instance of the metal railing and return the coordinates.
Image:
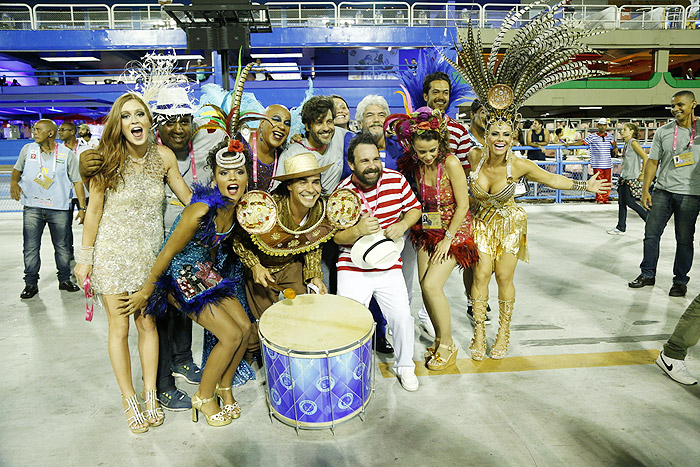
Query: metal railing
(47, 16)
(19, 16)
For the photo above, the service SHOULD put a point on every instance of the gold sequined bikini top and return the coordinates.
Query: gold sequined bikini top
(491, 203)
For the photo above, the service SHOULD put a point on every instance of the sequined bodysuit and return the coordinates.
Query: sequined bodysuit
(463, 248)
(131, 228)
(498, 224)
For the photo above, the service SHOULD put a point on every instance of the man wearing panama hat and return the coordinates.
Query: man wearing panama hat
(289, 255)
(369, 264)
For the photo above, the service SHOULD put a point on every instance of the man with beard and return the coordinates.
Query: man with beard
(673, 160)
(477, 126)
(390, 206)
(323, 139)
(86, 140)
(436, 92)
(370, 115)
(173, 116)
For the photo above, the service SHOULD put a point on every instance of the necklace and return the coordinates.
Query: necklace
(301, 232)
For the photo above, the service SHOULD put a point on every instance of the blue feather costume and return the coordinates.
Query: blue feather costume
(194, 281)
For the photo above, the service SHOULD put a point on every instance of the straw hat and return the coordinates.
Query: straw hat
(375, 251)
(173, 101)
(300, 166)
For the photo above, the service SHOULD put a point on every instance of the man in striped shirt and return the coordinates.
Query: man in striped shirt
(388, 204)
(600, 147)
(436, 92)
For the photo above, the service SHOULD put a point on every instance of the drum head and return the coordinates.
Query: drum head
(313, 323)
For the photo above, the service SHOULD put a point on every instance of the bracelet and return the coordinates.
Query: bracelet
(580, 185)
(81, 209)
(449, 235)
(85, 255)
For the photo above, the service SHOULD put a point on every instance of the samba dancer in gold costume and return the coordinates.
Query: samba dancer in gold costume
(499, 226)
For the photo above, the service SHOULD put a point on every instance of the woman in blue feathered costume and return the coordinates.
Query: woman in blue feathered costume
(187, 273)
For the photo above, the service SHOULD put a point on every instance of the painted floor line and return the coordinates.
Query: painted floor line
(535, 362)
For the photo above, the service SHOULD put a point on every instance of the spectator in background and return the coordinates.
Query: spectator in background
(86, 141)
(600, 146)
(673, 160)
(342, 112)
(42, 180)
(537, 137)
(633, 161)
(689, 74)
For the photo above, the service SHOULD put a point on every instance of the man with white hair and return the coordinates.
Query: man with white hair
(370, 115)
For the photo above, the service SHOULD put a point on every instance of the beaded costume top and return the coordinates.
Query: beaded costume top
(489, 203)
(131, 228)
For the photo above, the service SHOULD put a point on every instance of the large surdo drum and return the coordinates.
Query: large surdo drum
(317, 351)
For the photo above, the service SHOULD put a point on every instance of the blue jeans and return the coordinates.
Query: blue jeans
(34, 221)
(625, 200)
(684, 209)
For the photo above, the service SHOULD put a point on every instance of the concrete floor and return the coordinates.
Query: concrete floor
(600, 402)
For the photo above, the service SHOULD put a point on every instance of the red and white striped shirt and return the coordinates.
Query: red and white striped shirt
(460, 141)
(395, 197)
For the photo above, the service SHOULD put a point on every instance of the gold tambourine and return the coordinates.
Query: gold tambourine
(343, 208)
(257, 212)
(500, 96)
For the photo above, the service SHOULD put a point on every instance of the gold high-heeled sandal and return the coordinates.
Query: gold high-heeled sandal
(478, 344)
(430, 351)
(233, 410)
(505, 313)
(154, 413)
(218, 419)
(438, 363)
(137, 423)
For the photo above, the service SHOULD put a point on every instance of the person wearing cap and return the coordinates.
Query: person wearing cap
(289, 256)
(86, 140)
(600, 146)
(367, 267)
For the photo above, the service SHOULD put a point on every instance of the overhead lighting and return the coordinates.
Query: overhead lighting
(71, 59)
(590, 108)
(179, 57)
(282, 55)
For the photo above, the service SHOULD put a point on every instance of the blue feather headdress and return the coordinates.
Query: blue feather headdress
(429, 61)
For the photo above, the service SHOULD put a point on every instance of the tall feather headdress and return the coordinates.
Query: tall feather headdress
(542, 53)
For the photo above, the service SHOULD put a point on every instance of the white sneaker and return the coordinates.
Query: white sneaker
(675, 369)
(615, 231)
(407, 378)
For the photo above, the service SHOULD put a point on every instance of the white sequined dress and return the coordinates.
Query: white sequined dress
(130, 233)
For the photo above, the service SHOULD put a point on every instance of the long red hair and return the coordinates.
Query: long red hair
(112, 146)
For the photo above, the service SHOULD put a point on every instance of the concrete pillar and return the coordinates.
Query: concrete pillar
(661, 58)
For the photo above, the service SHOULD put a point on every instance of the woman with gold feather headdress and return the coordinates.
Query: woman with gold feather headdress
(499, 226)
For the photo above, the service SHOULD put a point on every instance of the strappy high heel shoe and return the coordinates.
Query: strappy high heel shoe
(505, 313)
(439, 363)
(154, 413)
(430, 351)
(478, 344)
(233, 410)
(218, 419)
(137, 423)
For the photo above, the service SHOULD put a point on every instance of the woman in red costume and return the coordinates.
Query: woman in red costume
(443, 238)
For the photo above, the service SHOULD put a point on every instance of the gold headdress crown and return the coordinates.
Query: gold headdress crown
(542, 53)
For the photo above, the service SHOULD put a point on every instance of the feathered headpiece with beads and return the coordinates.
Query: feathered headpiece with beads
(540, 55)
(404, 126)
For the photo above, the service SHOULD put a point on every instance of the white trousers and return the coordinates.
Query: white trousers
(409, 258)
(389, 289)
